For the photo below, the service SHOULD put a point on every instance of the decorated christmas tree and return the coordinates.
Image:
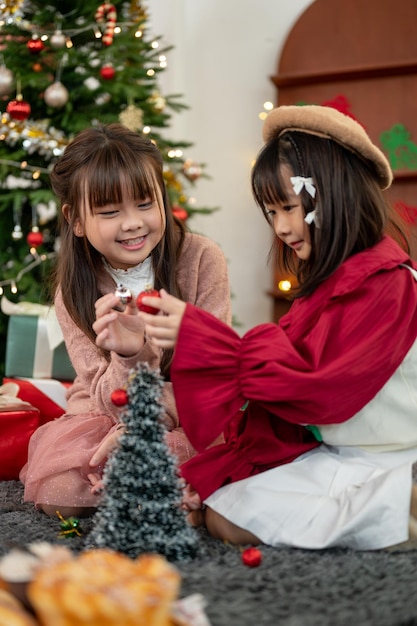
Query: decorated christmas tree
(140, 508)
(65, 66)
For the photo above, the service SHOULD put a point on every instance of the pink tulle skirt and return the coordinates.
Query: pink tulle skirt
(57, 469)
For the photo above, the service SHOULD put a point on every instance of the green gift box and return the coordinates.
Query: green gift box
(33, 352)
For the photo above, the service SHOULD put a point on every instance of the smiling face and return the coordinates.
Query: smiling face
(126, 232)
(287, 219)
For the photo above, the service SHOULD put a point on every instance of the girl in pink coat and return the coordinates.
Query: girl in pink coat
(117, 227)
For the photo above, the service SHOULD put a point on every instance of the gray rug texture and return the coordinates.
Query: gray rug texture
(289, 588)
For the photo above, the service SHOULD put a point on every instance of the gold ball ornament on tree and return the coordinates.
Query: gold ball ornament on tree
(56, 95)
(6, 81)
(157, 101)
(132, 117)
(18, 109)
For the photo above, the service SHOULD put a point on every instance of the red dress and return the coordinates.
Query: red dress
(321, 364)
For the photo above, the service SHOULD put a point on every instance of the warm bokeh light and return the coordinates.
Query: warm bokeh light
(284, 285)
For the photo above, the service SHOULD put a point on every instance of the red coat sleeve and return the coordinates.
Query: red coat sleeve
(320, 369)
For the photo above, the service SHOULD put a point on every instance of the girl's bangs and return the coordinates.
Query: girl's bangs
(110, 176)
(267, 183)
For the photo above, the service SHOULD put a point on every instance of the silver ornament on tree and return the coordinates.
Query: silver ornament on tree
(58, 40)
(17, 217)
(6, 81)
(17, 232)
(56, 95)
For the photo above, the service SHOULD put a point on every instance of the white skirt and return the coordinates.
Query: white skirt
(328, 497)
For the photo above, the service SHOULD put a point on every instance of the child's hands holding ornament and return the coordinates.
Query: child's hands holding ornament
(118, 326)
(163, 329)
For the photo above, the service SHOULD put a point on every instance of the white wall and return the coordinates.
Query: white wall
(224, 54)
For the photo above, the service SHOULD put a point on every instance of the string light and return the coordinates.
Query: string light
(268, 106)
(38, 259)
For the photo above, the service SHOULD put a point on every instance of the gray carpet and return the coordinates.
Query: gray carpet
(289, 588)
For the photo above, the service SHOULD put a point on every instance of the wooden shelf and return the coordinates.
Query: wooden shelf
(346, 74)
(405, 174)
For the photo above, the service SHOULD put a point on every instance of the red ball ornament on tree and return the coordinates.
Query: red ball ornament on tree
(18, 109)
(107, 72)
(179, 212)
(252, 557)
(35, 45)
(119, 397)
(34, 238)
(148, 291)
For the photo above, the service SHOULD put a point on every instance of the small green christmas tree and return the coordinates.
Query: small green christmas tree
(140, 510)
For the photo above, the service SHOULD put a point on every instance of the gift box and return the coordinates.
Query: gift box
(47, 395)
(35, 346)
(18, 421)
(29, 352)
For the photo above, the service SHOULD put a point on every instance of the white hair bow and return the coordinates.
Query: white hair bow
(311, 217)
(300, 182)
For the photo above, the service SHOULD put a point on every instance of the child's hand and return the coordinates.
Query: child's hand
(116, 330)
(107, 444)
(163, 329)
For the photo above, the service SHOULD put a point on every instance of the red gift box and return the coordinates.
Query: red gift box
(17, 424)
(47, 395)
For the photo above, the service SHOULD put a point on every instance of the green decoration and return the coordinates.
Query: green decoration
(140, 509)
(69, 527)
(401, 151)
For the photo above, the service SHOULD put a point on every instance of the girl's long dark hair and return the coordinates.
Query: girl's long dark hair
(352, 210)
(94, 168)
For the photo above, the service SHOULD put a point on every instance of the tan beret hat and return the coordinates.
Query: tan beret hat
(327, 122)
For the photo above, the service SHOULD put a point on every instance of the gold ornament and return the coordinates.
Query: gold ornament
(157, 101)
(132, 117)
(137, 12)
(12, 9)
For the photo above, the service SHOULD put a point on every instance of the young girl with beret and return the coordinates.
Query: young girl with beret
(319, 411)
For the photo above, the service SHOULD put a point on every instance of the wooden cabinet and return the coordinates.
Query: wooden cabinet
(361, 57)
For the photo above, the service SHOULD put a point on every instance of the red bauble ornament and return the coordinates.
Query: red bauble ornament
(34, 238)
(119, 397)
(180, 213)
(35, 45)
(107, 72)
(252, 557)
(18, 109)
(153, 293)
